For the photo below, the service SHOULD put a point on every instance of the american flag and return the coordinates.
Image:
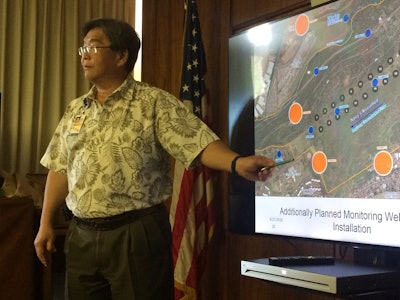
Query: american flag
(192, 206)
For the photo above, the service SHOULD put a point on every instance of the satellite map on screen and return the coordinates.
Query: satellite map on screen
(327, 95)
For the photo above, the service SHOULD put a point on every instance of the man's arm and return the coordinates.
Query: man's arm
(54, 196)
(218, 156)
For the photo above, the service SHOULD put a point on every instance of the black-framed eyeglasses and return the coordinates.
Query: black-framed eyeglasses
(90, 49)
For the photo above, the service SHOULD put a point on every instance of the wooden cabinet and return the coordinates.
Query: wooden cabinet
(16, 248)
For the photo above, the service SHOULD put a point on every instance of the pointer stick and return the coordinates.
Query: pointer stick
(277, 164)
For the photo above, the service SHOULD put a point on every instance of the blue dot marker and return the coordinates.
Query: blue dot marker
(310, 130)
(279, 154)
(337, 111)
(316, 71)
(346, 18)
(368, 33)
(375, 82)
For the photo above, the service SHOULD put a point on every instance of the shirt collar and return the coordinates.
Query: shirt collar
(124, 91)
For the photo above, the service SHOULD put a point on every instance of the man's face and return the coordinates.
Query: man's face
(100, 63)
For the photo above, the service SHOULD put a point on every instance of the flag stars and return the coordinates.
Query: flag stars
(192, 87)
(185, 88)
(194, 17)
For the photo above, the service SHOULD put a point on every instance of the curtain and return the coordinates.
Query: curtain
(40, 70)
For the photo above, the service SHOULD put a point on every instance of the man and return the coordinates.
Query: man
(109, 160)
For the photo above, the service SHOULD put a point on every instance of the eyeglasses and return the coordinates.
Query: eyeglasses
(90, 49)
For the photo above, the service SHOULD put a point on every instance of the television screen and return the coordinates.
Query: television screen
(324, 86)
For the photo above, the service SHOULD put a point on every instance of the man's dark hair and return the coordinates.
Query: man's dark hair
(121, 35)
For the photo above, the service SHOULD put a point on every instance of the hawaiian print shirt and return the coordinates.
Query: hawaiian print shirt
(116, 155)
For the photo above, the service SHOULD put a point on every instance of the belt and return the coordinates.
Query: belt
(113, 222)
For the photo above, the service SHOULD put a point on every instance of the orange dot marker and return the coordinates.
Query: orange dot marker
(383, 163)
(302, 24)
(319, 162)
(295, 113)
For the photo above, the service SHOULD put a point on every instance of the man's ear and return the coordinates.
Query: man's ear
(123, 57)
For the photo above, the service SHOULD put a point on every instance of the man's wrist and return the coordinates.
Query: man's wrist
(233, 164)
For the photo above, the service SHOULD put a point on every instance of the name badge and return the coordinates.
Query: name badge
(77, 123)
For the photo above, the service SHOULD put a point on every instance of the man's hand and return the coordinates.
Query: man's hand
(44, 244)
(250, 167)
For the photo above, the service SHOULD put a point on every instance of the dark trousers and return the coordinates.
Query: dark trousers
(132, 261)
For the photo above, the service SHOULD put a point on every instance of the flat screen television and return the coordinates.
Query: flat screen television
(321, 88)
